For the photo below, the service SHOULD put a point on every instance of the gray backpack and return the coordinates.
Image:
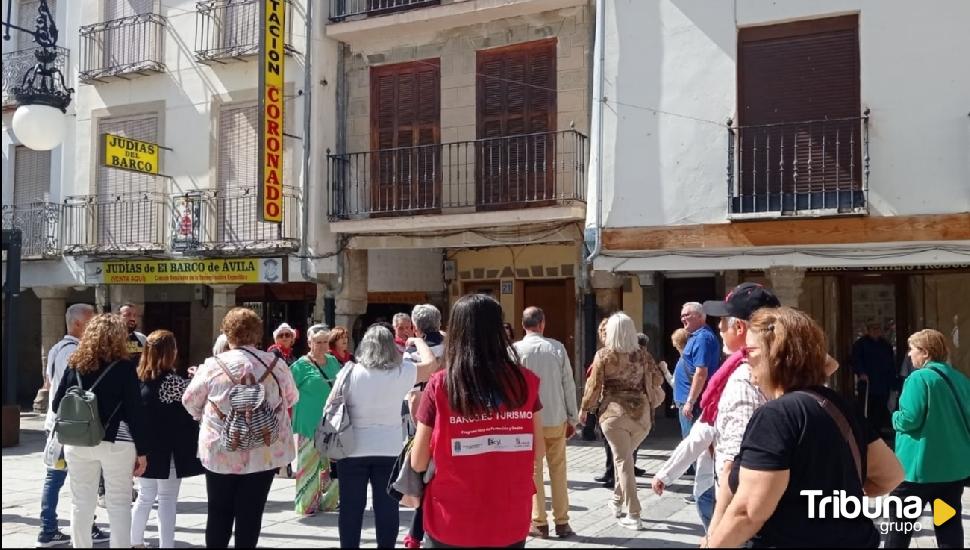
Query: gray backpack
(78, 422)
(334, 437)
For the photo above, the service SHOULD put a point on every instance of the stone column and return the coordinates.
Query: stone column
(352, 300)
(53, 305)
(786, 282)
(223, 299)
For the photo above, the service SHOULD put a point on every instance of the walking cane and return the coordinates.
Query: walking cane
(866, 408)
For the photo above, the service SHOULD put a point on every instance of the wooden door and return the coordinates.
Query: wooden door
(557, 299)
(174, 317)
(406, 137)
(516, 124)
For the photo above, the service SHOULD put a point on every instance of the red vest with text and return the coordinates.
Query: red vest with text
(481, 493)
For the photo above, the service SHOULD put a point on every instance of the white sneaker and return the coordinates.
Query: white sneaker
(616, 509)
(631, 522)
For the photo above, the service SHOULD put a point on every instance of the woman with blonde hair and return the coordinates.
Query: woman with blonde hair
(805, 438)
(173, 439)
(625, 386)
(933, 435)
(101, 366)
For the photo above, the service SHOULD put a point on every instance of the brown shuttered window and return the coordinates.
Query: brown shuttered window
(406, 134)
(799, 113)
(31, 175)
(516, 120)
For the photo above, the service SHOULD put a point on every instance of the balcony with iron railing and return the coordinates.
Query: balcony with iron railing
(120, 224)
(122, 48)
(493, 174)
(39, 224)
(341, 10)
(799, 169)
(228, 30)
(17, 64)
(226, 222)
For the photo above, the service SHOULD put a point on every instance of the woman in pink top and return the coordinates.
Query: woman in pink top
(237, 481)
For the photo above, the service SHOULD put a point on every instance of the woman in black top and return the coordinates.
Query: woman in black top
(173, 440)
(806, 438)
(101, 363)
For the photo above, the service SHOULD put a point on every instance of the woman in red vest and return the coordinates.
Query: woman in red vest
(478, 417)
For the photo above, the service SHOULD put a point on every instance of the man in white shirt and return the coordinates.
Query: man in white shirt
(76, 318)
(548, 359)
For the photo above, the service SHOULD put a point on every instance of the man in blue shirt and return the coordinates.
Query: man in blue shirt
(701, 358)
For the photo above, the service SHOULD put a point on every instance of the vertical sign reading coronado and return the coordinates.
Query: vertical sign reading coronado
(271, 56)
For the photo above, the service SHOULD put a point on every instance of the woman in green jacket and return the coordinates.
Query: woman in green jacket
(933, 435)
(314, 375)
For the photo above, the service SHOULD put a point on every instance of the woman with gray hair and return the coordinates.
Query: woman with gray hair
(314, 374)
(376, 385)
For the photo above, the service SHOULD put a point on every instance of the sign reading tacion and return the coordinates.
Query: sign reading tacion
(130, 154)
(271, 57)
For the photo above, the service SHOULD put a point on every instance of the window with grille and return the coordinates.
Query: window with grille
(128, 203)
(236, 206)
(130, 44)
(31, 176)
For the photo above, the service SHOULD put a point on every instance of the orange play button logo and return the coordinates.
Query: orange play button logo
(942, 512)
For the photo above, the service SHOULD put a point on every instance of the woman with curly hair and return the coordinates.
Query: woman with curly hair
(625, 385)
(101, 366)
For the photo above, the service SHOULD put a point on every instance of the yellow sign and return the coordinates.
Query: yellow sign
(199, 272)
(130, 154)
(942, 512)
(271, 56)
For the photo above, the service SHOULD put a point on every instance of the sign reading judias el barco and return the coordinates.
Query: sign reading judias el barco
(130, 154)
(272, 21)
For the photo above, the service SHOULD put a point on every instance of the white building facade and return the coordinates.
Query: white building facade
(821, 148)
(182, 75)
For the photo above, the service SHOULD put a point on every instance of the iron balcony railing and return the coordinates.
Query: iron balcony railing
(39, 224)
(227, 222)
(342, 9)
(807, 168)
(132, 223)
(16, 64)
(487, 174)
(229, 29)
(121, 47)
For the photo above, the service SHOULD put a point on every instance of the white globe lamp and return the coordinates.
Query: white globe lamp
(39, 127)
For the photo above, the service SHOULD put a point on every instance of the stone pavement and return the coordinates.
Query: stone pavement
(668, 521)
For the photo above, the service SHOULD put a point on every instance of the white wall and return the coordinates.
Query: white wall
(678, 57)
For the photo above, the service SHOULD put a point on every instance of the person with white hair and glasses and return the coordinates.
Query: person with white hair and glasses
(700, 361)
(403, 329)
(625, 385)
(376, 384)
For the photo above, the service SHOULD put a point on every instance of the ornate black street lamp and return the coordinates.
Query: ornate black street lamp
(40, 121)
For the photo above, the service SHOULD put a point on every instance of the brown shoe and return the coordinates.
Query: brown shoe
(564, 531)
(539, 531)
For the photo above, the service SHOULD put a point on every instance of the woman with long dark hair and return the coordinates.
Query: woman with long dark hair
(479, 416)
(173, 439)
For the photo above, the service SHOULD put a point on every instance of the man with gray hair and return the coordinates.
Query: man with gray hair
(403, 329)
(76, 319)
(701, 358)
(549, 360)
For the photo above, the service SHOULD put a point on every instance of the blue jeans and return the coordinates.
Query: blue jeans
(705, 507)
(685, 423)
(53, 483)
(356, 473)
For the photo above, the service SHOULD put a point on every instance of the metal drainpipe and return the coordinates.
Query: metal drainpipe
(599, 72)
(307, 110)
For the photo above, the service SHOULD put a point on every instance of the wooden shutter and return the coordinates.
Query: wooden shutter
(124, 215)
(516, 124)
(795, 81)
(31, 175)
(237, 174)
(405, 134)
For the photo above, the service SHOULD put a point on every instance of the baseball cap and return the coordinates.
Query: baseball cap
(742, 302)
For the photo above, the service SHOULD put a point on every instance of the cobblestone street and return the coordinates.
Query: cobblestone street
(669, 522)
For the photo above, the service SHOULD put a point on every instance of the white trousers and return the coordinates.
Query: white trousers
(117, 461)
(167, 492)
